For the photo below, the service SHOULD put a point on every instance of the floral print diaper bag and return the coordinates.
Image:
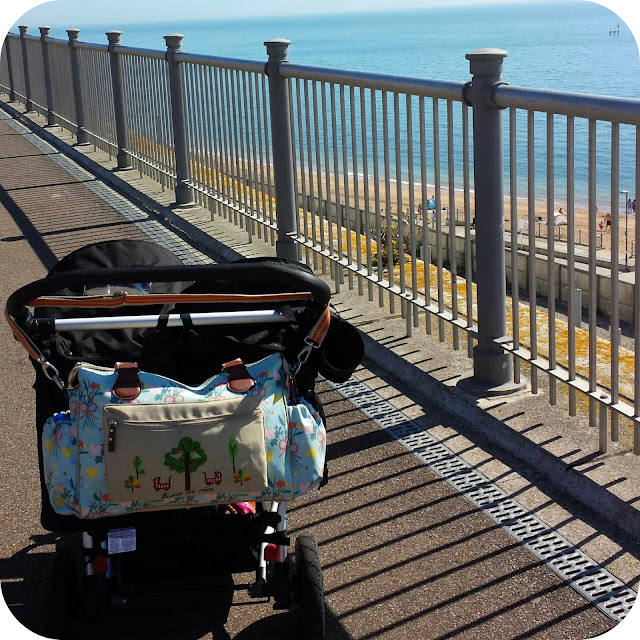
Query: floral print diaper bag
(167, 445)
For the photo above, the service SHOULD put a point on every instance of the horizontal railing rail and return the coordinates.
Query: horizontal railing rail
(579, 105)
(357, 173)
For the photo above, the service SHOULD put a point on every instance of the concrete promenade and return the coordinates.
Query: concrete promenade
(405, 555)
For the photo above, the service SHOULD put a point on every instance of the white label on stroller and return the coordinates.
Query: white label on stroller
(121, 540)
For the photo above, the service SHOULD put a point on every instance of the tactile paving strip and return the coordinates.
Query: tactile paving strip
(587, 577)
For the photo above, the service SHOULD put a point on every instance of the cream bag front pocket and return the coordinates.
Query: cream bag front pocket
(159, 451)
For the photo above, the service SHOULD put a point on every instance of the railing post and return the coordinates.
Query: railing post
(184, 191)
(122, 137)
(81, 132)
(25, 65)
(44, 32)
(281, 142)
(492, 367)
(12, 84)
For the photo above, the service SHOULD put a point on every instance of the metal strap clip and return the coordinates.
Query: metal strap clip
(51, 372)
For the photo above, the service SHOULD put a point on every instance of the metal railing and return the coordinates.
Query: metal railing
(356, 173)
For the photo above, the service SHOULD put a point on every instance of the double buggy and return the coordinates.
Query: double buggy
(176, 408)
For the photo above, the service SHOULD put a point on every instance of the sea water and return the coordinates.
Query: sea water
(559, 46)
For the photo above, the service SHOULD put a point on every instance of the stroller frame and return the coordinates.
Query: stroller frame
(82, 561)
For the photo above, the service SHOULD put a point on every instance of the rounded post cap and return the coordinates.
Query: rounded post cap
(44, 31)
(487, 53)
(174, 40)
(277, 41)
(277, 47)
(73, 33)
(114, 36)
(23, 28)
(487, 61)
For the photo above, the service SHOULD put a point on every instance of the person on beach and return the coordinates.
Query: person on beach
(607, 219)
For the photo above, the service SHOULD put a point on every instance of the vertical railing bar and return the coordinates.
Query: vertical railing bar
(376, 196)
(312, 190)
(231, 178)
(327, 172)
(256, 189)
(242, 174)
(531, 258)
(163, 138)
(346, 221)
(248, 156)
(152, 109)
(222, 142)
(615, 277)
(138, 68)
(149, 97)
(593, 300)
(135, 118)
(303, 177)
(316, 129)
(267, 148)
(264, 187)
(357, 217)
(438, 212)
(426, 245)
(224, 148)
(242, 156)
(366, 195)
(453, 258)
(412, 318)
(217, 138)
(387, 191)
(336, 178)
(205, 128)
(571, 274)
(212, 164)
(551, 288)
(195, 126)
(169, 130)
(160, 142)
(399, 203)
(249, 134)
(233, 148)
(515, 274)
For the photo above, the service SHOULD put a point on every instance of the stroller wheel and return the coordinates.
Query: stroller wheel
(308, 587)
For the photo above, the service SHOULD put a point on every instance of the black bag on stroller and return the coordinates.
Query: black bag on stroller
(287, 307)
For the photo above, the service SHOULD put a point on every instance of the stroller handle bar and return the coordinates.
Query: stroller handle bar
(173, 320)
(258, 272)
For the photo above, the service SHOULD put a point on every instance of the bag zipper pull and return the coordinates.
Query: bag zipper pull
(111, 447)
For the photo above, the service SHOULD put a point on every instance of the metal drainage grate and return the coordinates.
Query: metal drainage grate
(587, 577)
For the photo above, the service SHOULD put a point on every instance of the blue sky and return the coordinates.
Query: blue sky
(86, 12)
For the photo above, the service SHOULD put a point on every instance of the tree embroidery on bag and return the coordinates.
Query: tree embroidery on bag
(134, 483)
(185, 458)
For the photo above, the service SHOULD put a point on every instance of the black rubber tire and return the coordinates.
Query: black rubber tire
(309, 587)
